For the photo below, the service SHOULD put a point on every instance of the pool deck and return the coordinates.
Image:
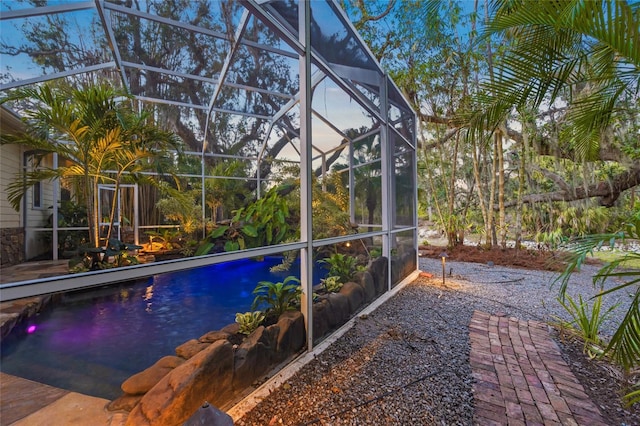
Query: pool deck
(27, 403)
(11, 312)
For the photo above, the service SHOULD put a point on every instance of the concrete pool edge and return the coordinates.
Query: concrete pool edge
(29, 403)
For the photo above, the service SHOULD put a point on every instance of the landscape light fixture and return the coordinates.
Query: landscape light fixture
(444, 256)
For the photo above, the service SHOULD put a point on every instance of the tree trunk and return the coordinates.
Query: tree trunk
(501, 216)
(608, 190)
(521, 182)
(476, 173)
(452, 231)
(492, 195)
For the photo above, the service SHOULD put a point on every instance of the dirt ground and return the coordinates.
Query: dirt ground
(530, 259)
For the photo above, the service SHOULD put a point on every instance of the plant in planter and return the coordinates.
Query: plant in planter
(114, 255)
(332, 284)
(249, 321)
(341, 266)
(261, 223)
(278, 297)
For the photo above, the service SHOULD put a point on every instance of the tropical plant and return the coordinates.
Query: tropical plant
(113, 255)
(262, 222)
(624, 346)
(288, 257)
(249, 321)
(180, 207)
(225, 195)
(586, 324)
(633, 397)
(568, 71)
(331, 284)
(99, 138)
(119, 252)
(587, 47)
(341, 266)
(165, 237)
(278, 297)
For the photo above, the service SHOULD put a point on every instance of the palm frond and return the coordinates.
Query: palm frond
(624, 346)
(15, 190)
(557, 48)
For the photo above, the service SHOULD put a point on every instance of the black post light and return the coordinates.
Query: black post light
(444, 256)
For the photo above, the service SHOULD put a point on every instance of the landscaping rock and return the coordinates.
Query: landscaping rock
(354, 294)
(205, 377)
(233, 328)
(320, 319)
(340, 307)
(408, 263)
(333, 318)
(124, 403)
(292, 335)
(366, 281)
(189, 348)
(378, 270)
(254, 356)
(214, 336)
(395, 271)
(142, 382)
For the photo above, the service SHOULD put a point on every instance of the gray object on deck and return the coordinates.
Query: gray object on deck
(210, 416)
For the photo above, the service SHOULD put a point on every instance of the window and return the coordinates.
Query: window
(37, 195)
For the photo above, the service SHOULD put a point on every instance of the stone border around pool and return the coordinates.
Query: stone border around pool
(215, 370)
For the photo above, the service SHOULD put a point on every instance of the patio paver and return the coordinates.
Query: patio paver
(521, 377)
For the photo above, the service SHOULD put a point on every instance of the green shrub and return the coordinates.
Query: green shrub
(279, 297)
(262, 222)
(249, 321)
(340, 265)
(586, 324)
(332, 284)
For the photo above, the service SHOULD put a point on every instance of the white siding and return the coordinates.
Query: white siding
(10, 162)
(39, 242)
(38, 217)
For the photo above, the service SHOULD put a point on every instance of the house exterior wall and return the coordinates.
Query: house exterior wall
(18, 242)
(38, 242)
(11, 226)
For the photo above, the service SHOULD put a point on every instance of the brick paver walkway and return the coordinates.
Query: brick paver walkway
(521, 378)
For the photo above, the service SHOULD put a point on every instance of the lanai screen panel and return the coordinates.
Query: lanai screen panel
(224, 76)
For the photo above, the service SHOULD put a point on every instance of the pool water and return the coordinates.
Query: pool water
(93, 340)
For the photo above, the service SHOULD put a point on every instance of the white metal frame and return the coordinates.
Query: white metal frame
(313, 69)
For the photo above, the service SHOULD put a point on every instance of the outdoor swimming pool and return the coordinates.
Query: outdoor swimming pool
(93, 340)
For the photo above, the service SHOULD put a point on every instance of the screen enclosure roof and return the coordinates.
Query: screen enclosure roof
(224, 75)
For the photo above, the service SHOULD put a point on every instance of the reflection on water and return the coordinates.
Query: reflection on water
(94, 340)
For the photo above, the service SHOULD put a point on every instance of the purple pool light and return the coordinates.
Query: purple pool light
(31, 329)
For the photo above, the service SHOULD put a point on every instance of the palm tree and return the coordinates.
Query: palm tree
(588, 51)
(98, 134)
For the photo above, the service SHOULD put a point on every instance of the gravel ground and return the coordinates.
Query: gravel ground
(408, 361)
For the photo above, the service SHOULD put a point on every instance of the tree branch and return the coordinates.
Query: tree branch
(556, 178)
(368, 18)
(608, 191)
